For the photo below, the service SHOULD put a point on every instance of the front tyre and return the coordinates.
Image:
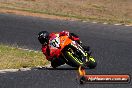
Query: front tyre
(72, 59)
(91, 63)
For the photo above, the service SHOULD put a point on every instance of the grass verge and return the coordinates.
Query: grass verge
(117, 11)
(12, 57)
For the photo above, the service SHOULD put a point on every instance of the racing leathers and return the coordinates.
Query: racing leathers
(55, 61)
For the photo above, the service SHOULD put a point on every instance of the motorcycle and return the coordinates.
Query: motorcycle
(73, 53)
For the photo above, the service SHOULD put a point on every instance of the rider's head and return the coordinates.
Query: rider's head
(43, 37)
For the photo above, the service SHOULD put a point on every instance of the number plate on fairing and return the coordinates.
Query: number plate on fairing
(55, 43)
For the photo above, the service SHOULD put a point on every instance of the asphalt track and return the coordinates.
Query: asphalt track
(111, 46)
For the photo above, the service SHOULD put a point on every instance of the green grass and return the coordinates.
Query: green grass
(12, 57)
(111, 11)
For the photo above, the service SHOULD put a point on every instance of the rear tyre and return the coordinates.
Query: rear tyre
(53, 65)
(57, 62)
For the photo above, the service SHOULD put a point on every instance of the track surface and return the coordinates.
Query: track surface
(111, 46)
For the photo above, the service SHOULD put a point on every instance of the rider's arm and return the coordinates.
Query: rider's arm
(74, 37)
(46, 52)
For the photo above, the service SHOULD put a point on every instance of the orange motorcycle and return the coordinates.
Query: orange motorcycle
(73, 53)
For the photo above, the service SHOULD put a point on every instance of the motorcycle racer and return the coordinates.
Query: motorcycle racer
(44, 38)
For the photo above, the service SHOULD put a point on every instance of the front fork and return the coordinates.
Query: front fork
(86, 55)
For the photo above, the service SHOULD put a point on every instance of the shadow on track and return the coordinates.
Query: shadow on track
(59, 68)
(46, 68)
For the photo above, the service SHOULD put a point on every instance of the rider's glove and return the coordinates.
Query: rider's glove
(73, 36)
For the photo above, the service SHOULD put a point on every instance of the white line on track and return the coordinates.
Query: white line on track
(105, 23)
(94, 22)
(118, 24)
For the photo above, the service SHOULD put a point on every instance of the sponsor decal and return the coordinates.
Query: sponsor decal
(101, 78)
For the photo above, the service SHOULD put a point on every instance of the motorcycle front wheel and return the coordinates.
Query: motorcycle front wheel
(73, 60)
(91, 63)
